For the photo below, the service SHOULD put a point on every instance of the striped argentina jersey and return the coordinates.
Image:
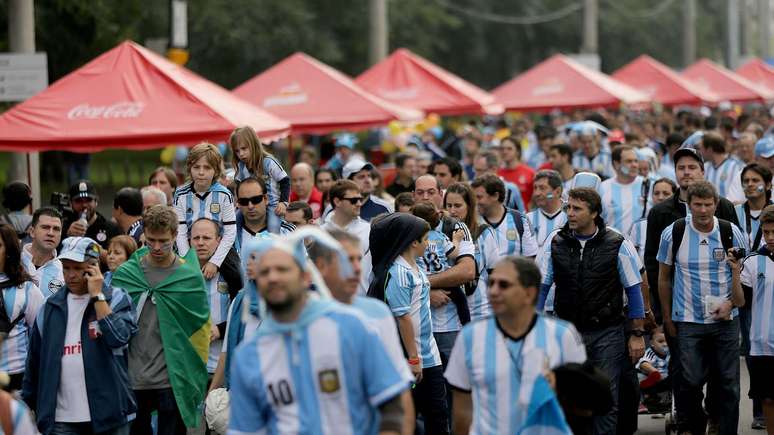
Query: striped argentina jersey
(378, 316)
(622, 204)
(487, 256)
(24, 300)
(500, 372)
(273, 172)
(48, 277)
(217, 291)
(244, 234)
(700, 270)
(326, 373)
(508, 236)
(435, 260)
(543, 224)
(658, 363)
(217, 203)
(758, 274)
(408, 293)
(755, 225)
(637, 235)
(601, 164)
(726, 177)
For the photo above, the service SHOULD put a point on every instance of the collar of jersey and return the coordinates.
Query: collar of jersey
(313, 310)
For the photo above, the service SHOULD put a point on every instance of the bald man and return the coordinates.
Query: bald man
(303, 189)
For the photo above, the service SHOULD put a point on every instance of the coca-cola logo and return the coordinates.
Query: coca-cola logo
(123, 109)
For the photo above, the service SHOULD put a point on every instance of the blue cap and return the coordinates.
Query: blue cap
(585, 179)
(765, 147)
(346, 140)
(79, 249)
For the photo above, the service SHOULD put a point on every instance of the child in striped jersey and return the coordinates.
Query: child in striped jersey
(204, 197)
(252, 160)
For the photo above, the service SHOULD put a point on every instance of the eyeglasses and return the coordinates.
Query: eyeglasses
(354, 201)
(500, 283)
(255, 200)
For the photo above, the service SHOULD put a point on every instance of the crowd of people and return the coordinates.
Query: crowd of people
(562, 277)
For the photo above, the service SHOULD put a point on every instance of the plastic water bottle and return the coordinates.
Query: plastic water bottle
(84, 218)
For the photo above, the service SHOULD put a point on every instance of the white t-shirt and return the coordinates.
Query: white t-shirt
(72, 402)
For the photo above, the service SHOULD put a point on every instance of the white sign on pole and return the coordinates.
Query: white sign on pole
(22, 75)
(179, 24)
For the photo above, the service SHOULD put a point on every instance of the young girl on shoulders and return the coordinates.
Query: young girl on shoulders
(252, 160)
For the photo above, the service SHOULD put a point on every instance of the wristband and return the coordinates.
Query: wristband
(413, 361)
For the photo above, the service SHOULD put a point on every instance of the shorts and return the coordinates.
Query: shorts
(762, 377)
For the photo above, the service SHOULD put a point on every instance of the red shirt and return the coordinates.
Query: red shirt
(522, 176)
(315, 201)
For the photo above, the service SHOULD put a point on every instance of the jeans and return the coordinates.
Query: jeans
(710, 353)
(445, 342)
(85, 429)
(163, 401)
(606, 350)
(430, 401)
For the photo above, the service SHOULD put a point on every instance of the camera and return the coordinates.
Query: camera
(738, 253)
(61, 201)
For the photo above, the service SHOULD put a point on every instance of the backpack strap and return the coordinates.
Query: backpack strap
(6, 420)
(519, 227)
(678, 229)
(726, 234)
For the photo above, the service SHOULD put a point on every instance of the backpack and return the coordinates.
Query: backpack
(678, 229)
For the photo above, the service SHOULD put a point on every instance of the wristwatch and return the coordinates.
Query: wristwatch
(99, 297)
(637, 332)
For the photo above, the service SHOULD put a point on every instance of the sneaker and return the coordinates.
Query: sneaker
(758, 423)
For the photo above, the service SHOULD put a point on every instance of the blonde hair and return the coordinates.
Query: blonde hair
(248, 136)
(127, 243)
(160, 218)
(209, 152)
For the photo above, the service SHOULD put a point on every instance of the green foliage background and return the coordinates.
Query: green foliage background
(230, 41)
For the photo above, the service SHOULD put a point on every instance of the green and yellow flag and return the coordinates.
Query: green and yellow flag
(184, 321)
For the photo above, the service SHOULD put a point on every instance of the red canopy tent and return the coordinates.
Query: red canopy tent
(409, 80)
(129, 97)
(661, 84)
(727, 85)
(562, 83)
(316, 98)
(758, 72)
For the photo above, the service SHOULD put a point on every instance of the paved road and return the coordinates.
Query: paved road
(650, 425)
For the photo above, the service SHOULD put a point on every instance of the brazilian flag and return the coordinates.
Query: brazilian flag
(184, 321)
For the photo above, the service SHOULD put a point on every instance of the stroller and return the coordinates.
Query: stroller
(657, 399)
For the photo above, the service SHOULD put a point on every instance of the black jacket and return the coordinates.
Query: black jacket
(661, 216)
(589, 292)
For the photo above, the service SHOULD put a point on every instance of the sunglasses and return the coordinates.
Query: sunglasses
(354, 201)
(255, 200)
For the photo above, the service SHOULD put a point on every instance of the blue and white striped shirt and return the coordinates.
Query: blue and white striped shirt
(217, 289)
(326, 373)
(436, 260)
(508, 236)
(726, 177)
(217, 203)
(408, 293)
(637, 235)
(487, 256)
(758, 274)
(273, 173)
(622, 204)
(48, 277)
(500, 372)
(700, 270)
(755, 225)
(601, 164)
(543, 224)
(25, 299)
